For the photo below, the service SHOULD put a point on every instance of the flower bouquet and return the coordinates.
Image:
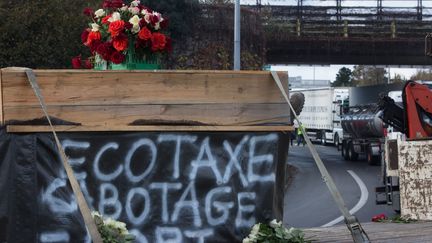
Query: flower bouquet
(112, 231)
(124, 36)
(274, 232)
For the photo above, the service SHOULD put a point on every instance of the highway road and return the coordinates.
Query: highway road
(308, 202)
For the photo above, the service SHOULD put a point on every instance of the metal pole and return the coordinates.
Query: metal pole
(237, 35)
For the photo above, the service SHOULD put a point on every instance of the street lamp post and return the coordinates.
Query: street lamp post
(237, 35)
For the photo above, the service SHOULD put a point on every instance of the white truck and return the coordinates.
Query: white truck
(321, 113)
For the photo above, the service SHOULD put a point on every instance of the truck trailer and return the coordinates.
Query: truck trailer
(321, 113)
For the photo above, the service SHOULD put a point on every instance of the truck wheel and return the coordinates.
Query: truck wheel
(344, 151)
(323, 138)
(371, 159)
(352, 155)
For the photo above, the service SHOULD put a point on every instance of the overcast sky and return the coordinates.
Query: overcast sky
(329, 72)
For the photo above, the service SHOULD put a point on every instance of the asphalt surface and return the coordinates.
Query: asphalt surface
(308, 202)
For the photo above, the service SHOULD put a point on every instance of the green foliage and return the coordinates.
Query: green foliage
(368, 75)
(41, 34)
(422, 75)
(397, 219)
(343, 78)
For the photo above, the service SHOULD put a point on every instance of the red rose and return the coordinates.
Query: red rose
(154, 19)
(105, 19)
(379, 217)
(128, 25)
(158, 41)
(93, 36)
(120, 43)
(142, 23)
(116, 3)
(94, 45)
(144, 34)
(117, 57)
(105, 50)
(164, 23)
(88, 12)
(88, 64)
(84, 35)
(76, 62)
(116, 27)
(112, 4)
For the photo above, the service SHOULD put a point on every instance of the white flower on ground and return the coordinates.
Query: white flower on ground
(275, 224)
(254, 232)
(93, 213)
(114, 17)
(95, 27)
(99, 13)
(247, 240)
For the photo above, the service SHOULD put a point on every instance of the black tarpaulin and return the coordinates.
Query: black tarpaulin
(182, 186)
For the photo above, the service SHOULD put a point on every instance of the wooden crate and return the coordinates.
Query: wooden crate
(103, 100)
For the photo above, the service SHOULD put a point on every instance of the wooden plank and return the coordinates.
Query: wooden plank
(108, 115)
(1, 99)
(67, 128)
(68, 87)
(377, 232)
(112, 98)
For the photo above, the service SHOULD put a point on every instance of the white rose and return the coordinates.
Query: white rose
(99, 13)
(135, 23)
(157, 26)
(135, 3)
(134, 10)
(124, 8)
(275, 224)
(246, 240)
(145, 12)
(147, 18)
(95, 27)
(114, 17)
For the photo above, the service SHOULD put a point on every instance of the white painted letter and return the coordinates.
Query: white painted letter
(234, 161)
(55, 204)
(135, 146)
(192, 204)
(146, 208)
(200, 234)
(99, 174)
(260, 159)
(109, 202)
(178, 139)
(249, 208)
(223, 207)
(60, 236)
(165, 186)
(209, 162)
(139, 238)
(168, 235)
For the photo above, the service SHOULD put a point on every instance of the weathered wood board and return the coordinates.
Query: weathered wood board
(377, 232)
(1, 99)
(118, 98)
(415, 178)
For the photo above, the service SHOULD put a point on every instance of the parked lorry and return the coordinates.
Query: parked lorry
(363, 133)
(363, 130)
(321, 113)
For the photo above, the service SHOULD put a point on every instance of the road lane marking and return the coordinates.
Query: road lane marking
(362, 201)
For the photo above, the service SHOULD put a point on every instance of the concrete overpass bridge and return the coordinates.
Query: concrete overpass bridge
(327, 33)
